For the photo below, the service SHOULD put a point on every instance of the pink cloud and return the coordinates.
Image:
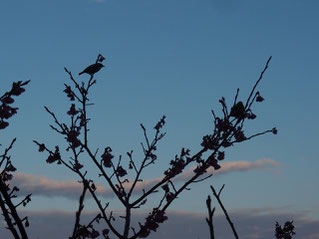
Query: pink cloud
(42, 186)
(229, 167)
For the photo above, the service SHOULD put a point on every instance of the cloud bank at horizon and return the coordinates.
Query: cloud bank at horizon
(250, 223)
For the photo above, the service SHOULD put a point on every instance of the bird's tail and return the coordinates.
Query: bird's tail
(81, 73)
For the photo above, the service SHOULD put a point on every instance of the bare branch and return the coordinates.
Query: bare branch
(81, 206)
(260, 77)
(217, 196)
(209, 220)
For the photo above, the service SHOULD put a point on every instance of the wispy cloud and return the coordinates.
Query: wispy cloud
(42, 186)
(229, 167)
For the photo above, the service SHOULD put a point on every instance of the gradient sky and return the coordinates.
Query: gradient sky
(178, 58)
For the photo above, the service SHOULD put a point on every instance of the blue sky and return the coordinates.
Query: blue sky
(175, 58)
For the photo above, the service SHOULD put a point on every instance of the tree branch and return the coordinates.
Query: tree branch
(217, 196)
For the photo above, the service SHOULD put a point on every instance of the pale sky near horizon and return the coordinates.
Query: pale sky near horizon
(176, 58)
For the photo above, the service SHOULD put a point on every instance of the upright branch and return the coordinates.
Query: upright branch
(257, 82)
(77, 228)
(209, 220)
(217, 196)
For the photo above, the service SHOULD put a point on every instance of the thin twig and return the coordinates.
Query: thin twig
(260, 77)
(217, 196)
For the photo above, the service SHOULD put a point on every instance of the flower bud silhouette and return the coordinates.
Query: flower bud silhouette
(238, 110)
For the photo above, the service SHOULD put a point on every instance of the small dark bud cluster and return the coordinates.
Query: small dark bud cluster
(69, 93)
(285, 232)
(259, 98)
(107, 157)
(53, 157)
(238, 110)
(6, 110)
(121, 172)
(152, 222)
(85, 232)
(177, 165)
(160, 124)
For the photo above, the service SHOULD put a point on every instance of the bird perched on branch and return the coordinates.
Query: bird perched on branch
(92, 69)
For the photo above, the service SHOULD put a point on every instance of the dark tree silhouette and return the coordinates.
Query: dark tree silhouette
(227, 130)
(7, 193)
(285, 232)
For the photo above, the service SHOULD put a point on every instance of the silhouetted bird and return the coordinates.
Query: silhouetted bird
(92, 69)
